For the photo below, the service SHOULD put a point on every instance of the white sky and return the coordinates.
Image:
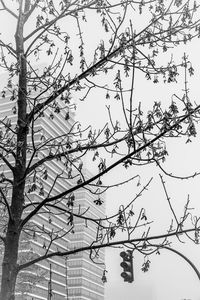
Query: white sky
(169, 277)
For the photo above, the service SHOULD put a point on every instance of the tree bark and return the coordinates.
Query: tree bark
(10, 266)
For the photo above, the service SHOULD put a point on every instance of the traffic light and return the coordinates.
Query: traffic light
(127, 265)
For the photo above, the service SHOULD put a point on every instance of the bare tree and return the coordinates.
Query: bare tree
(134, 36)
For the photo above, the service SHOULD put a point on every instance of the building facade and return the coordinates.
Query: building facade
(79, 276)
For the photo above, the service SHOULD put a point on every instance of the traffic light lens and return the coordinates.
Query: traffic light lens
(123, 254)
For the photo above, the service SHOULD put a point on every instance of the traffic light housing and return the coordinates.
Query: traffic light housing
(127, 265)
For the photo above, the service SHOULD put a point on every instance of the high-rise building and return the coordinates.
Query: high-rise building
(79, 276)
(85, 272)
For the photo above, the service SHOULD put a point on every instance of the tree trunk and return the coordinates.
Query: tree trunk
(10, 266)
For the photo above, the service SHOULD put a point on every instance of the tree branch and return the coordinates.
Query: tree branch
(112, 166)
(2, 238)
(6, 162)
(83, 75)
(6, 203)
(8, 151)
(111, 244)
(9, 48)
(29, 12)
(8, 10)
(47, 25)
(71, 151)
